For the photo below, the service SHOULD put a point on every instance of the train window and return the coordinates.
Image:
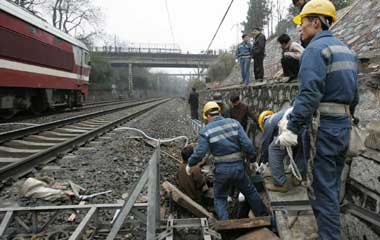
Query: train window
(77, 55)
(86, 58)
(32, 29)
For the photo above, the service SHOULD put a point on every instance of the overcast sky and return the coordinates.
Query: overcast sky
(194, 22)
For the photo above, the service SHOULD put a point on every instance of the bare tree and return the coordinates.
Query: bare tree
(78, 17)
(29, 5)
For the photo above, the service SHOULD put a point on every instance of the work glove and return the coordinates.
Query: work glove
(282, 125)
(188, 170)
(355, 120)
(287, 138)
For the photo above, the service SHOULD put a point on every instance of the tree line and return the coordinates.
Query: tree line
(271, 16)
(103, 76)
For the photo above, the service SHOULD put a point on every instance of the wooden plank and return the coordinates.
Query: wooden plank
(294, 194)
(293, 225)
(259, 234)
(303, 227)
(185, 201)
(243, 223)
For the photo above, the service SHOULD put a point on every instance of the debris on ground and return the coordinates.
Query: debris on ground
(46, 189)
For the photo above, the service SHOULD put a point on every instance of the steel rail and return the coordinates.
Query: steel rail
(20, 168)
(19, 133)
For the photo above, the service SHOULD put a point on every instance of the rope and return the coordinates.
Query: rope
(166, 140)
(293, 166)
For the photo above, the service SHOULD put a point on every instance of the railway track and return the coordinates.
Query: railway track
(24, 149)
(102, 104)
(28, 116)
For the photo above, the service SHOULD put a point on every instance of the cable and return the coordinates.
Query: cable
(170, 22)
(220, 24)
(166, 140)
(293, 166)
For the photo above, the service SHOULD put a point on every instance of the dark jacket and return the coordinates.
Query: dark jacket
(194, 185)
(259, 46)
(194, 99)
(241, 114)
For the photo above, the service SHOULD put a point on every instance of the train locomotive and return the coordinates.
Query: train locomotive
(41, 67)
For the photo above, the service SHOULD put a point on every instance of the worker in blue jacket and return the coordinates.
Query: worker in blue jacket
(243, 55)
(328, 86)
(224, 138)
(273, 153)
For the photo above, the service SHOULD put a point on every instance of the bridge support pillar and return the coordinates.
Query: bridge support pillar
(158, 84)
(130, 80)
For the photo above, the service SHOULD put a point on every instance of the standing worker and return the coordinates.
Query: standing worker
(224, 109)
(240, 112)
(224, 138)
(258, 53)
(328, 85)
(243, 55)
(194, 102)
(300, 4)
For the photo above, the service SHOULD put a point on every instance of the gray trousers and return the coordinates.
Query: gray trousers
(276, 157)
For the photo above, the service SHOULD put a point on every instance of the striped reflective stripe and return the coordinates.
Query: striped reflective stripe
(340, 66)
(12, 65)
(228, 157)
(327, 52)
(223, 136)
(220, 128)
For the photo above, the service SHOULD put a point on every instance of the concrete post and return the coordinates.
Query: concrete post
(158, 83)
(130, 80)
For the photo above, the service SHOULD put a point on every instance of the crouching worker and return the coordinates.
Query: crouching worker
(291, 55)
(271, 151)
(193, 185)
(225, 138)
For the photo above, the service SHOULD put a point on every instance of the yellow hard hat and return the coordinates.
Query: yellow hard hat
(317, 7)
(208, 107)
(261, 118)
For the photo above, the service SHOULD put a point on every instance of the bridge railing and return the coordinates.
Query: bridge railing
(111, 50)
(139, 50)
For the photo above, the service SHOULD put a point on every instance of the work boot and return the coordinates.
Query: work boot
(277, 188)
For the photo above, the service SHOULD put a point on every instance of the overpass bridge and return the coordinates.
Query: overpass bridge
(121, 57)
(153, 57)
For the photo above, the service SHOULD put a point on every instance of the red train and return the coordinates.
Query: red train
(41, 67)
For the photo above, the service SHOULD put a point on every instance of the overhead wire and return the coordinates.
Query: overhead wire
(220, 24)
(170, 22)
